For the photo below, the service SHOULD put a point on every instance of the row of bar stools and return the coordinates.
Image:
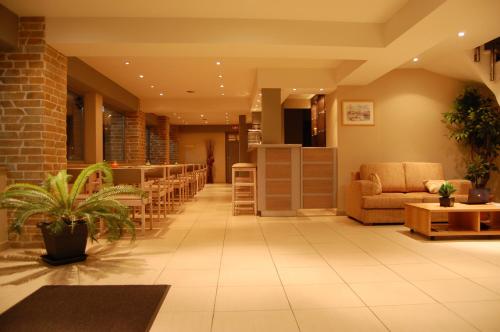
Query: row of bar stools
(244, 188)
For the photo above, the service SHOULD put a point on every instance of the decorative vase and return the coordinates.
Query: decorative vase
(446, 201)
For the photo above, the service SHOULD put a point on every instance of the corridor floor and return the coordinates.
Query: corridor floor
(245, 273)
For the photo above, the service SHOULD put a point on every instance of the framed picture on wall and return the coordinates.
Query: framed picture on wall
(357, 113)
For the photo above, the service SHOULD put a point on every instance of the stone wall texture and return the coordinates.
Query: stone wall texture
(135, 137)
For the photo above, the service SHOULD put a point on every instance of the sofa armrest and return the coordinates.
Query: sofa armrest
(462, 186)
(354, 194)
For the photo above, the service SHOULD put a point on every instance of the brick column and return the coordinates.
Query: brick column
(160, 141)
(135, 137)
(32, 110)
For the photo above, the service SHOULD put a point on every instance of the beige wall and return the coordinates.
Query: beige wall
(408, 111)
(192, 150)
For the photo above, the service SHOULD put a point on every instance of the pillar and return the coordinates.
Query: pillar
(93, 147)
(271, 117)
(135, 137)
(33, 93)
(243, 135)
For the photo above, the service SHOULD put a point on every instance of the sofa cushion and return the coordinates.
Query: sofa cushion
(433, 186)
(434, 198)
(390, 200)
(391, 175)
(417, 173)
(373, 177)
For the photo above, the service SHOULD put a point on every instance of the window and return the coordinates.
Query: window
(74, 127)
(113, 135)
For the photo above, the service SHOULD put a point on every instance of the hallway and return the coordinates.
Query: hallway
(284, 274)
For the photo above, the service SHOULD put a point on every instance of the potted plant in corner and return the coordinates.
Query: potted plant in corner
(70, 217)
(445, 192)
(474, 123)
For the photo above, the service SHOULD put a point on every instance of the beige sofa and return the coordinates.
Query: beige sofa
(401, 183)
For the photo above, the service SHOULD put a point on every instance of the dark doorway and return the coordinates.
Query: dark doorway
(298, 126)
(232, 154)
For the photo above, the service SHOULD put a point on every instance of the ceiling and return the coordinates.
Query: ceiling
(373, 11)
(301, 47)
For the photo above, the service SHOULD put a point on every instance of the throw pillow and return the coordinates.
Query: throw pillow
(373, 177)
(433, 186)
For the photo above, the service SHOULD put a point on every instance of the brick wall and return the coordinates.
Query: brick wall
(159, 141)
(32, 111)
(114, 132)
(173, 144)
(135, 137)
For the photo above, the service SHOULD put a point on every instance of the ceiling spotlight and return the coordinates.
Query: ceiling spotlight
(179, 117)
(151, 86)
(222, 94)
(220, 76)
(260, 94)
(294, 89)
(461, 34)
(321, 89)
(161, 93)
(141, 76)
(227, 113)
(127, 62)
(222, 85)
(218, 63)
(415, 59)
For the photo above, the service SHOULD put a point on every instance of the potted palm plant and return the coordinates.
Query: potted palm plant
(445, 192)
(70, 217)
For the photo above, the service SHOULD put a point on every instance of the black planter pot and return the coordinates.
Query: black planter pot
(446, 201)
(479, 195)
(65, 247)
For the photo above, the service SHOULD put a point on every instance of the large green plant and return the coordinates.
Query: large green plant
(474, 123)
(63, 207)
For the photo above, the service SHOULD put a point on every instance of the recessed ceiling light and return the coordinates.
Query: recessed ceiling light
(141, 76)
(161, 93)
(415, 59)
(202, 115)
(127, 62)
(151, 86)
(260, 94)
(461, 34)
(321, 89)
(294, 89)
(220, 76)
(222, 85)
(227, 113)
(222, 94)
(218, 63)
(179, 117)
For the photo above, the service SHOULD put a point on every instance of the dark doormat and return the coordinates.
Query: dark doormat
(127, 308)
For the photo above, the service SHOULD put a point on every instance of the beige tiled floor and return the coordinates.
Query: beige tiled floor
(306, 273)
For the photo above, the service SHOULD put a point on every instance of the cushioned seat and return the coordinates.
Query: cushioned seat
(390, 200)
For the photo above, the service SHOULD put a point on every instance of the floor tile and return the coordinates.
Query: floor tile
(254, 321)
(421, 317)
(483, 315)
(456, 290)
(308, 275)
(189, 299)
(251, 298)
(249, 277)
(338, 320)
(189, 277)
(390, 293)
(425, 271)
(376, 273)
(183, 322)
(299, 260)
(322, 296)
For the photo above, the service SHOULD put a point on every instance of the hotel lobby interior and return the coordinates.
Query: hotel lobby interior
(250, 166)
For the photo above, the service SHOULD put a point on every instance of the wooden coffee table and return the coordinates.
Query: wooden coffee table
(463, 219)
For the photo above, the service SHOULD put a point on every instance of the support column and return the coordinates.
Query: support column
(93, 147)
(271, 117)
(160, 141)
(33, 93)
(243, 133)
(135, 137)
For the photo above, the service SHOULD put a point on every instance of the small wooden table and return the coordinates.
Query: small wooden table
(463, 219)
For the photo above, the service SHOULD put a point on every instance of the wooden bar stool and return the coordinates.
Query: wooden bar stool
(244, 188)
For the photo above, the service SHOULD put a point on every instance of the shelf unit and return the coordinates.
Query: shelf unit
(244, 197)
